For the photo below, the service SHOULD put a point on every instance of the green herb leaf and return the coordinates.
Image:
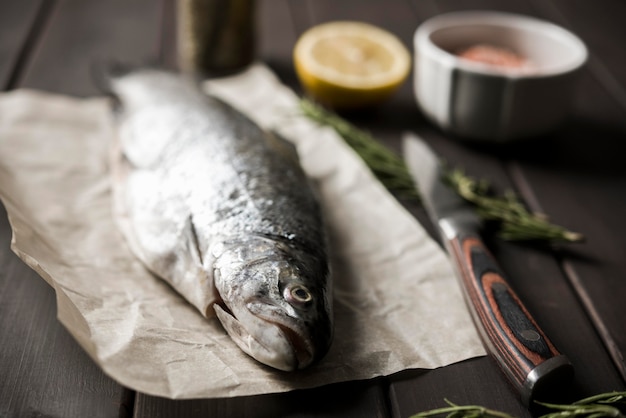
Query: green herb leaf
(515, 222)
(610, 404)
(465, 411)
(386, 165)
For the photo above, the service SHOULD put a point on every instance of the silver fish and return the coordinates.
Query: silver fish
(222, 211)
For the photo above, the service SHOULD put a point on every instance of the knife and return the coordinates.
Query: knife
(510, 334)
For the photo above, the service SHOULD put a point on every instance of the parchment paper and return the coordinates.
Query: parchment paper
(397, 305)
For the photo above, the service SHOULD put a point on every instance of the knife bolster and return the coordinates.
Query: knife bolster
(453, 227)
(544, 381)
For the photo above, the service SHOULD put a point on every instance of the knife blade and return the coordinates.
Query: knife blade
(510, 334)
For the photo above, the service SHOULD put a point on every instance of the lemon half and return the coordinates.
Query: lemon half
(350, 64)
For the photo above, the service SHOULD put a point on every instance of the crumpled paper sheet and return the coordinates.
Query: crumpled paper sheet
(397, 304)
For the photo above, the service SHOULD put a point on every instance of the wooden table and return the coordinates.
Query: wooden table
(577, 175)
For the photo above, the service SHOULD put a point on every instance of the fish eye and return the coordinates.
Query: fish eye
(297, 294)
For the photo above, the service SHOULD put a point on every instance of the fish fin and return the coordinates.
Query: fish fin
(196, 271)
(281, 145)
(167, 245)
(194, 245)
(104, 70)
(289, 152)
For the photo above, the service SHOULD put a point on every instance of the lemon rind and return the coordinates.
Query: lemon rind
(395, 75)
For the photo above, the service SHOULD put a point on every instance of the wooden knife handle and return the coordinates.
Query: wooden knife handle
(511, 335)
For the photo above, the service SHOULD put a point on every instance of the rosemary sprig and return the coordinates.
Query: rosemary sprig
(463, 411)
(384, 163)
(610, 404)
(515, 222)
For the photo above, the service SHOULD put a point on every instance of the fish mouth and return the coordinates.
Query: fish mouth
(267, 339)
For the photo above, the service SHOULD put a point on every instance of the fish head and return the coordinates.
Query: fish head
(277, 310)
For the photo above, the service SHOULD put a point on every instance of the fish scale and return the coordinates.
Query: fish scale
(222, 211)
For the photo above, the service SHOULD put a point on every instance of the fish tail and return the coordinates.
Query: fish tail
(104, 71)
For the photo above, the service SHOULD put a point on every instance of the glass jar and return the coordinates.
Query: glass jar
(215, 37)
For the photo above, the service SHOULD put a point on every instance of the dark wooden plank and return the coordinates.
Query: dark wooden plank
(353, 399)
(535, 274)
(395, 16)
(59, 64)
(592, 201)
(556, 307)
(277, 34)
(45, 372)
(167, 50)
(591, 197)
(87, 33)
(33, 343)
(17, 26)
(445, 6)
(414, 392)
(583, 162)
(608, 61)
(537, 278)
